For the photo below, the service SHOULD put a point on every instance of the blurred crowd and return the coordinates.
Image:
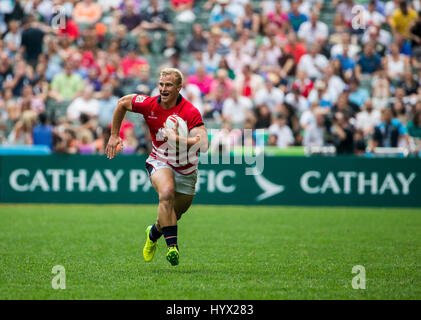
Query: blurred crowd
(314, 73)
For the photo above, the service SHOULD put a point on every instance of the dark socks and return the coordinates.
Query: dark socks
(154, 234)
(170, 235)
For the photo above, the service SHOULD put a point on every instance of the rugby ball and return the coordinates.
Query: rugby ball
(183, 131)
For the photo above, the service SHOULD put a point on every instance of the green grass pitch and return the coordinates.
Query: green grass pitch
(226, 252)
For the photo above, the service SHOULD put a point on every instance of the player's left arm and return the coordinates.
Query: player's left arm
(198, 136)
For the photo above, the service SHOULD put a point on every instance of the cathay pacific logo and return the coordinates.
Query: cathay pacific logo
(269, 188)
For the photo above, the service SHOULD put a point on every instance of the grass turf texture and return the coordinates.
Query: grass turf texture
(225, 253)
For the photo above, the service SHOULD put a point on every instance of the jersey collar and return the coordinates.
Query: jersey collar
(176, 103)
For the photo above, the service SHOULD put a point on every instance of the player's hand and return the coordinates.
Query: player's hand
(170, 134)
(112, 145)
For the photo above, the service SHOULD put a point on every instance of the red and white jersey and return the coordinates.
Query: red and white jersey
(155, 116)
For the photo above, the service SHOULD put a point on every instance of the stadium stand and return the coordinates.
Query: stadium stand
(320, 76)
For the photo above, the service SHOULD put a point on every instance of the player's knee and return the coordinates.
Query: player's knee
(166, 194)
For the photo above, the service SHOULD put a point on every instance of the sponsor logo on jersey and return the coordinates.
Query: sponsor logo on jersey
(140, 99)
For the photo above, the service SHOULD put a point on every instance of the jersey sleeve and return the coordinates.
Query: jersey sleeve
(195, 119)
(141, 103)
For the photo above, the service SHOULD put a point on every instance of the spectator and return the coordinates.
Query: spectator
(396, 64)
(270, 95)
(338, 28)
(93, 79)
(314, 63)
(388, 132)
(414, 131)
(344, 105)
(12, 107)
(236, 108)
(368, 118)
(313, 31)
(43, 132)
(171, 45)
(296, 18)
(357, 94)
(296, 100)
(87, 12)
(278, 16)
(225, 139)
(342, 134)
(338, 49)
(409, 84)
(143, 84)
(86, 145)
(379, 6)
(21, 133)
(202, 80)
(248, 82)
(130, 18)
(268, 54)
(131, 64)
(314, 134)
(381, 91)
(371, 15)
(296, 49)
(70, 30)
(415, 35)
(143, 44)
(35, 103)
(263, 117)
(130, 142)
(221, 17)
(197, 41)
(250, 20)
(272, 140)
(32, 38)
(335, 84)
(107, 104)
(66, 85)
(213, 105)
(304, 84)
(308, 116)
(237, 59)
(402, 18)
(175, 62)
(13, 37)
(184, 10)
(359, 143)
(192, 93)
(211, 58)
(155, 18)
(368, 63)
(43, 8)
(321, 95)
(345, 8)
(287, 67)
(283, 133)
(86, 104)
(18, 78)
(400, 112)
(222, 80)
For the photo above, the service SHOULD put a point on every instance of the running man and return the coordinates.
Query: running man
(173, 181)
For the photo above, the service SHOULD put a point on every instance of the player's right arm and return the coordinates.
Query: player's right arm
(124, 105)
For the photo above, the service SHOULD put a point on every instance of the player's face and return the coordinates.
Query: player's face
(168, 88)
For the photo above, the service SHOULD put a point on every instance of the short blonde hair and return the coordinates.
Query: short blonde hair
(172, 71)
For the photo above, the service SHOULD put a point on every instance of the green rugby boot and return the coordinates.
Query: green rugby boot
(173, 255)
(150, 247)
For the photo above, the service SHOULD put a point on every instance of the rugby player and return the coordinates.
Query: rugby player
(173, 181)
